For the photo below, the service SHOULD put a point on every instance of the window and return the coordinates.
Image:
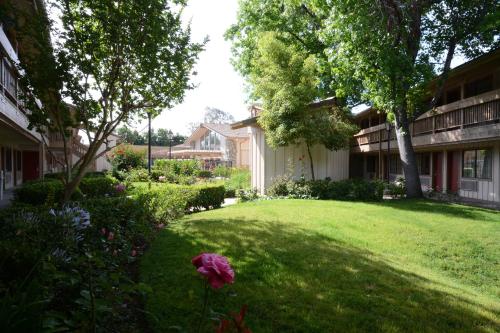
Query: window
(477, 164)
(8, 79)
(396, 166)
(210, 141)
(424, 164)
(478, 87)
(483, 164)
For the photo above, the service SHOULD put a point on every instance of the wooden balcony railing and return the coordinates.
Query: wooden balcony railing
(79, 149)
(470, 116)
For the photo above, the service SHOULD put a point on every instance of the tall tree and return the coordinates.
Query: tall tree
(217, 116)
(381, 44)
(286, 80)
(115, 60)
(380, 52)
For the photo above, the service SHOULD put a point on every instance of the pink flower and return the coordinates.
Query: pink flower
(133, 253)
(119, 188)
(103, 231)
(215, 268)
(161, 226)
(111, 236)
(162, 178)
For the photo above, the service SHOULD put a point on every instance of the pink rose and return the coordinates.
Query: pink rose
(119, 188)
(215, 268)
(111, 236)
(133, 253)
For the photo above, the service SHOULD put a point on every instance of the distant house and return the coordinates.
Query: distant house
(214, 144)
(457, 144)
(267, 163)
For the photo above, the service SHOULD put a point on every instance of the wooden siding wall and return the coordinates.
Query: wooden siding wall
(267, 163)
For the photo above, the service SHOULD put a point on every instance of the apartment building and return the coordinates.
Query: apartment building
(457, 144)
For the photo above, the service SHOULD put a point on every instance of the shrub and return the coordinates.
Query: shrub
(98, 186)
(51, 191)
(349, 189)
(42, 192)
(164, 203)
(247, 195)
(67, 269)
(204, 174)
(222, 171)
(124, 158)
(230, 192)
(397, 188)
(176, 171)
(285, 186)
(364, 190)
(137, 175)
(281, 186)
(207, 196)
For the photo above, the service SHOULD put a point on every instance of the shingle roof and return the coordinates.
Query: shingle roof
(227, 131)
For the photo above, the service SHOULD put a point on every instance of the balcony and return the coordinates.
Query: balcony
(473, 119)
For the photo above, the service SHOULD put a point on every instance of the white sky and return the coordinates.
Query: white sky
(219, 85)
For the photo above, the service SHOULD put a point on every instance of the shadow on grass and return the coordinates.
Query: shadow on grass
(442, 208)
(294, 280)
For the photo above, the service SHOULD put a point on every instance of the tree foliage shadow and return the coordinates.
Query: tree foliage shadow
(295, 280)
(442, 208)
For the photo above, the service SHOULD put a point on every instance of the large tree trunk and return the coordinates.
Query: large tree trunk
(311, 163)
(407, 155)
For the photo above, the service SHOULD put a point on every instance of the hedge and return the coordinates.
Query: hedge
(98, 186)
(52, 190)
(206, 196)
(168, 202)
(349, 189)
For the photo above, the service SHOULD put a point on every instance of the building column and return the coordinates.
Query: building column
(445, 171)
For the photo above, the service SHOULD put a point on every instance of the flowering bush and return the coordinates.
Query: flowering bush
(68, 269)
(125, 158)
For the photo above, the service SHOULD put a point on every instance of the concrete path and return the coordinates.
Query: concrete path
(229, 202)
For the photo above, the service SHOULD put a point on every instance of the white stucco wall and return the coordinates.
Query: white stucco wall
(267, 163)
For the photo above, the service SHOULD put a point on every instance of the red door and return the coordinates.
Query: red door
(31, 168)
(453, 170)
(437, 169)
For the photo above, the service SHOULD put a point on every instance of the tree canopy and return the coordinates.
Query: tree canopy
(159, 137)
(383, 53)
(285, 78)
(115, 60)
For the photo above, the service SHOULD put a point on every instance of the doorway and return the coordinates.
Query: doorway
(31, 169)
(453, 171)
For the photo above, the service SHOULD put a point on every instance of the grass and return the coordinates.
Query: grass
(326, 266)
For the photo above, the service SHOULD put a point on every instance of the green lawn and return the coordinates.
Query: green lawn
(326, 266)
